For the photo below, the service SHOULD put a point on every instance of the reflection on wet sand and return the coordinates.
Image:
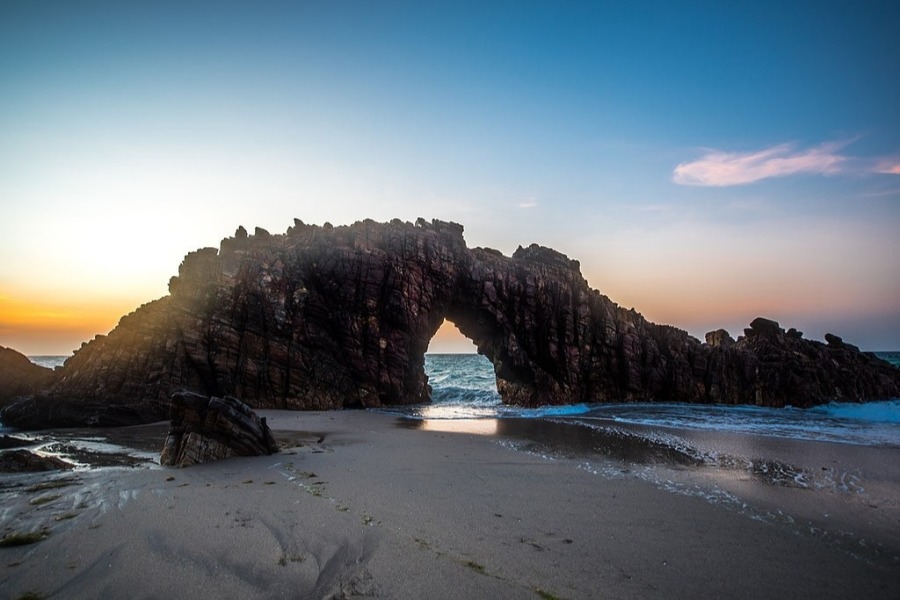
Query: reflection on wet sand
(821, 488)
(473, 426)
(632, 444)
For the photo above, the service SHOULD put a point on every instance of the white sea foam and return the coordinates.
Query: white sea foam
(464, 388)
(49, 361)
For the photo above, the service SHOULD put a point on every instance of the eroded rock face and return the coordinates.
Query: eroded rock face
(719, 339)
(206, 429)
(771, 367)
(336, 317)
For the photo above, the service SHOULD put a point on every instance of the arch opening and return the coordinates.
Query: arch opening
(450, 340)
(463, 383)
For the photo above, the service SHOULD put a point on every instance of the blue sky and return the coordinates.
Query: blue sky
(706, 162)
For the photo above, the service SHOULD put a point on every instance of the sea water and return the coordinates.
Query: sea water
(51, 362)
(463, 387)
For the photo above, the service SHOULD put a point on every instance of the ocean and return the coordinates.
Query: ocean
(464, 389)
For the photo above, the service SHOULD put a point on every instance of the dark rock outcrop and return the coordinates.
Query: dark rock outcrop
(26, 461)
(19, 376)
(771, 367)
(335, 317)
(9, 441)
(206, 429)
(48, 410)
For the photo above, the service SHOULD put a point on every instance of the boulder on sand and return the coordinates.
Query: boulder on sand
(207, 428)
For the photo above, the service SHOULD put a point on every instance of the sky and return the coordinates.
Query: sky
(706, 162)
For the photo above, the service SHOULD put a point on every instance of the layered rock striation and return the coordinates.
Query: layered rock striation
(336, 317)
(205, 429)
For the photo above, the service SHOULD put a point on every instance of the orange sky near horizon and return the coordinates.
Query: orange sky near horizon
(51, 306)
(45, 323)
(57, 327)
(49, 329)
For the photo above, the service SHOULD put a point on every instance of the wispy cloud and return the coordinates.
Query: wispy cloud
(529, 204)
(719, 168)
(889, 166)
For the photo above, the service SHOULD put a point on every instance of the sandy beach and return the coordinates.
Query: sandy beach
(360, 504)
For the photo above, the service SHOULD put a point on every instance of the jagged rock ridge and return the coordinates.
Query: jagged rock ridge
(333, 317)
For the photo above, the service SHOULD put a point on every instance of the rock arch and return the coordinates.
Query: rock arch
(333, 317)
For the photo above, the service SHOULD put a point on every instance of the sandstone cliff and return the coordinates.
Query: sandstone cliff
(333, 317)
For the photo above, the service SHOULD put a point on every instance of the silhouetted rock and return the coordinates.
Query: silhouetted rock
(764, 327)
(206, 429)
(835, 342)
(19, 376)
(336, 317)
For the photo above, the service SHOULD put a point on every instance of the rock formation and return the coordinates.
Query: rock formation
(26, 461)
(206, 429)
(9, 441)
(334, 317)
(59, 409)
(19, 376)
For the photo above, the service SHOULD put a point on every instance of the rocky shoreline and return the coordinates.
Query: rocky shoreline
(326, 317)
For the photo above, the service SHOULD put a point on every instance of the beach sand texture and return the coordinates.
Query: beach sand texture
(359, 507)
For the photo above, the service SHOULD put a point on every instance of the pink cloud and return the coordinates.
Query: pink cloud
(889, 166)
(718, 168)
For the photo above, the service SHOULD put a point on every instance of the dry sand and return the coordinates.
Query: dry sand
(361, 507)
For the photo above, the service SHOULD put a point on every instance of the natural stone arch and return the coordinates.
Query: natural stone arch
(519, 313)
(334, 317)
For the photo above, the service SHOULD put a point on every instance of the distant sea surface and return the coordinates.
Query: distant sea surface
(51, 362)
(464, 388)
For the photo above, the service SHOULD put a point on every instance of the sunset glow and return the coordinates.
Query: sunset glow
(449, 340)
(700, 176)
(56, 326)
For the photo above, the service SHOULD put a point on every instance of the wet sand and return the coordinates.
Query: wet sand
(363, 505)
